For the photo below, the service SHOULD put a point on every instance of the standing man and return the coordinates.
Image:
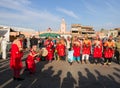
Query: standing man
(76, 46)
(33, 41)
(3, 47)
(60, 47)
(16, 57)
(86, 49)
(117, 51)
(49, 45)
(68, 40)
(97, 50)
(109, 50)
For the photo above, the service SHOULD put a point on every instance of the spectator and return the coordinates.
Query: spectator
(3, 47)
(33, 41)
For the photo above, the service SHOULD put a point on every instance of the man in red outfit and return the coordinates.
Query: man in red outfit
(97, 50)
(86, 49)
(16, 56)
(109, 50)
(60, 47)
(76, 49)
(49, 45)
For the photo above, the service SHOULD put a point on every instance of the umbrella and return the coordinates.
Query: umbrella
(53, 35)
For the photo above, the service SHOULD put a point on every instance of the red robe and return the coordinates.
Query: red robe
(60, 49)
(86, 47)
(16, 56)
(50, 48)
(76, 50)
(30, 62)
(109, 51)
(97, 51)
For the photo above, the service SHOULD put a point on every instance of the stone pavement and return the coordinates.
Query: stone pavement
(59, 74)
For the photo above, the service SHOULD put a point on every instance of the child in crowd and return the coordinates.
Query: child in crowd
(30, 61)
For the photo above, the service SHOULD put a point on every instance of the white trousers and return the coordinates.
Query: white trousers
(4, 53)
(85, 56)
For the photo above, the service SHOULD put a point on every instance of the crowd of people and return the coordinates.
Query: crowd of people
(75, 49)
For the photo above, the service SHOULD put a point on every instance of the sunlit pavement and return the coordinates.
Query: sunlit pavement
(60, 74)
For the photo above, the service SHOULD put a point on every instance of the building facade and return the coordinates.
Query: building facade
(118, 30)
(80, 31)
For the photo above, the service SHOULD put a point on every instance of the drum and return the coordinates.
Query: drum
(44, 52)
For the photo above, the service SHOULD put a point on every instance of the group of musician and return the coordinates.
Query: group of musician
(71, 49)
(81, 49)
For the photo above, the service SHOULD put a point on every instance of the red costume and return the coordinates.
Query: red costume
(60, 49)
(97, 52)
(50, 48)
(30, 62)
(15, 59)
(86, 47)
(76, 49)
(109, 51)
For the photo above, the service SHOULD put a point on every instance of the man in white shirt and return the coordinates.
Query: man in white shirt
(3, 47)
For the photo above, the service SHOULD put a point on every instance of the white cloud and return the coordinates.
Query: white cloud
(112, 8)
(67, 12)
(107, 26)
(19, 12)
(18, 5)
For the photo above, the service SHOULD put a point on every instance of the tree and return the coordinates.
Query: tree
(102, 29)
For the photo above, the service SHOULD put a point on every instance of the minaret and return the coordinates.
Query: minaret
(63, 26)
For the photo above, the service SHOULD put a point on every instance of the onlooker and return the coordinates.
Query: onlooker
(68, 40)
(25, 43)
(33, 41)
(117, 51)
(3, 47)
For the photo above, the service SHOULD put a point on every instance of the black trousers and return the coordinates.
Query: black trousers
(108, 59)
(97, 60)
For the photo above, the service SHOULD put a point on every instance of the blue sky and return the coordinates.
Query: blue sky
(42, 14)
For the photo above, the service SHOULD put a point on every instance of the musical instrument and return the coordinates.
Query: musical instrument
(110, 45)
(97, 44)
(76, 43)
(44, 52)
(86, 44)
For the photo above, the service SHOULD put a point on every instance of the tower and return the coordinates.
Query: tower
(63, 26)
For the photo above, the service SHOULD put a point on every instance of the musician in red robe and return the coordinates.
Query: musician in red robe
(86, 49)
(97, 50)
(30, 61)
(109, 50)
(76, 49)
(49, 45)
(60, 47)
(16, 56)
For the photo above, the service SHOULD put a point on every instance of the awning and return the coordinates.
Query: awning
(2, 32)
(12, 30)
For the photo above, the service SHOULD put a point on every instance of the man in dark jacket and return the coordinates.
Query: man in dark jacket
(33, 41)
